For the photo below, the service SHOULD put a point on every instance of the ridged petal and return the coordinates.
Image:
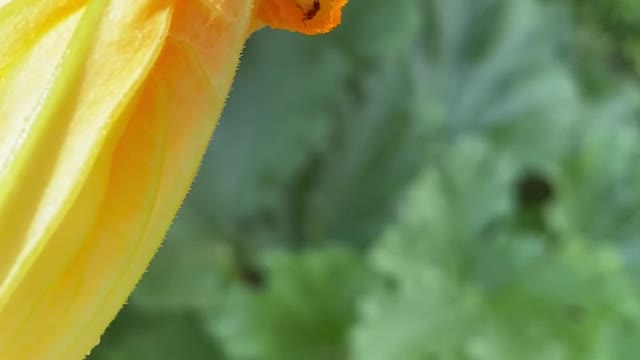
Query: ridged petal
(106, 108)
(69, 91)
(194, 73)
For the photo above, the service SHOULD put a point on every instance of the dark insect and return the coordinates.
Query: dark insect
(314, 10)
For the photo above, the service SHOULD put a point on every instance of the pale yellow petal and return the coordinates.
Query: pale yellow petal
(53, 183)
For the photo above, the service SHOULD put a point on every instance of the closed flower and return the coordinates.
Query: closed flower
(106, 107)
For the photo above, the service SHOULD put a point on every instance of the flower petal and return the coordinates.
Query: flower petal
(107, 108)
(304, 16)
(194, 71)
(69, 117)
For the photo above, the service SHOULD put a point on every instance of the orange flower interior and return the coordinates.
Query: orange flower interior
(309, 17)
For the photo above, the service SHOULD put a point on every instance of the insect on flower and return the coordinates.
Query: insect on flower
(296, 15)
(314, 10)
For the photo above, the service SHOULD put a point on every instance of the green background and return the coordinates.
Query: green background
(436, 179)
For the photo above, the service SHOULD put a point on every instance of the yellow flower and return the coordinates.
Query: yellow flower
(106, 107)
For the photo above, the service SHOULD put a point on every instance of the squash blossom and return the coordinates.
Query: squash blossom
(106, 107)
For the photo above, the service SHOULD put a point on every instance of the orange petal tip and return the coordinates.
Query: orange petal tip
(310, 17)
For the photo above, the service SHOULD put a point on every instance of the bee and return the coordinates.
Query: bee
(308, 15)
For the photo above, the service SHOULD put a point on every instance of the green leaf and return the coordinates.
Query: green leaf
(277, 115)
(303, 312)
(184, 276)
(598, 181)
(426, 317)
(463, 282)
(263, 162)
(378, 144)
(371, 33)
(166, 336)
(494, 67)
(466, 197)
(501, 78)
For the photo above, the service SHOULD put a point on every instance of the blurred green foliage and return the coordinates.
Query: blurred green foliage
(608, 50)
(437, 179)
